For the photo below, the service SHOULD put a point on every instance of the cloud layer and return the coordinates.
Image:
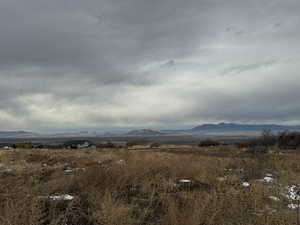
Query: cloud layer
(136, 63)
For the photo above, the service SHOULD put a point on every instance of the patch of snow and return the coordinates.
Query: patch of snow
(269, 175)
(268, 179)
(70, 170)
(293, 206)
(246, 184)
(184, 181)
(61, 197)
(274, 198)
(293, 193)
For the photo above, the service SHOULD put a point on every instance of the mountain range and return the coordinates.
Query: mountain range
(17, 134)
(223, 127)
(201, 129)
(143, 132)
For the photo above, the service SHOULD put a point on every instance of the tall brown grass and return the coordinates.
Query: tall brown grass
(123, 188)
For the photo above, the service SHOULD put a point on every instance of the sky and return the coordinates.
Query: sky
(73, 64)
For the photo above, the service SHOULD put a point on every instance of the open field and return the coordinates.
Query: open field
(187, 186)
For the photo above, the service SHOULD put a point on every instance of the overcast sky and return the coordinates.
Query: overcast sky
(73, 64)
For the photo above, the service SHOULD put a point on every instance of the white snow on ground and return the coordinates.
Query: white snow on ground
(293, 206)
(61, 197)
(274, 198)
(71, 170)
(293, 193)
(269, 175)
(184, 181)
(268, 179)
(246, 184)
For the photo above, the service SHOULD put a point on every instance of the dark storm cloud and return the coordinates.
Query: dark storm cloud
(112, 62)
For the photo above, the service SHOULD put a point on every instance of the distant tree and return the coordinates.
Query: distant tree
(289, 140)
(208, 143)
(268, 138)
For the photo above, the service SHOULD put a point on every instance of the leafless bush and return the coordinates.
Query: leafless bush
(289, 140)
(208, 143)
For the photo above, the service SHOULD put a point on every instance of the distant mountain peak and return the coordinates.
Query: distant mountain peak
(242, 127)
(143, 132)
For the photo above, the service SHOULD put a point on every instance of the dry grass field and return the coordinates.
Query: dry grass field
(200, 186)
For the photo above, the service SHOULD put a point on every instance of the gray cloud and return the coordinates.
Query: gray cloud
(72, 63)
(249, 67)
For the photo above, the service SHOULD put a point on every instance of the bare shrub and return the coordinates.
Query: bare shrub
(110, 211)
(208, 143)
(289, 140)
